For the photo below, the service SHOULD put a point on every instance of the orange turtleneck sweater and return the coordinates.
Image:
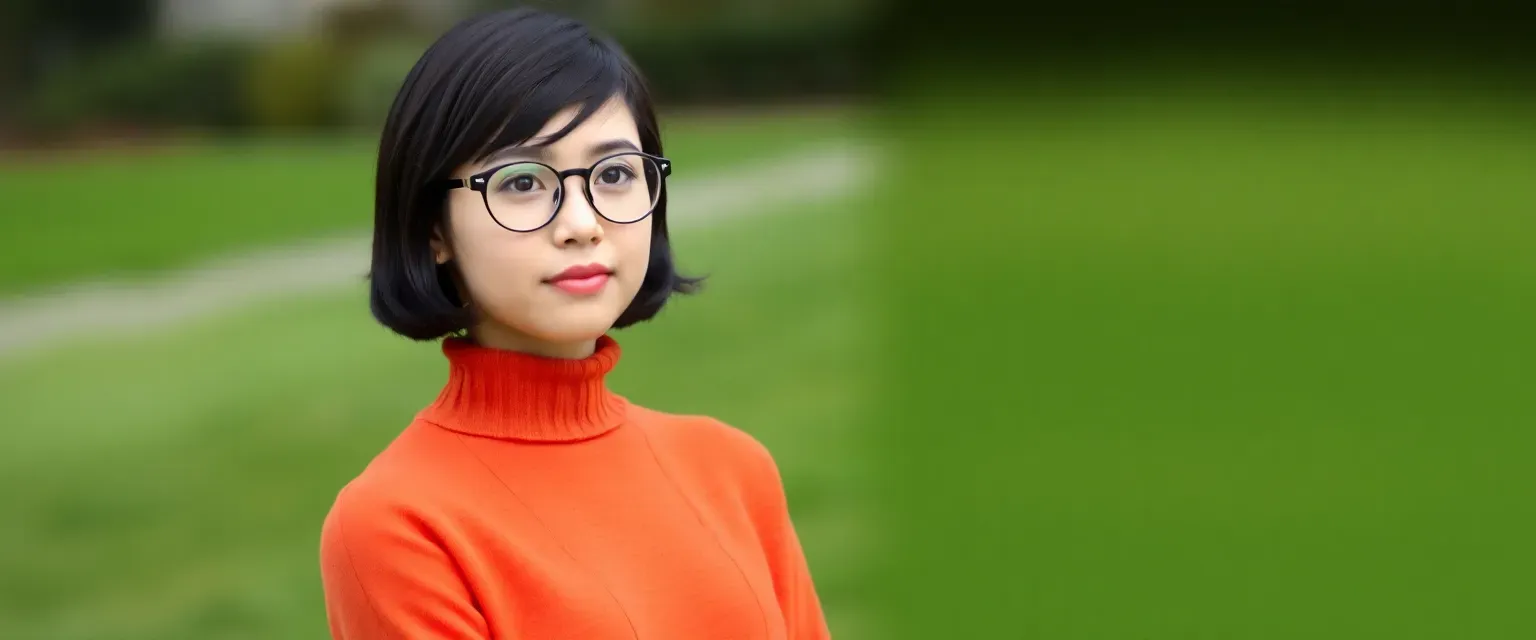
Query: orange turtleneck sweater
(529, 501)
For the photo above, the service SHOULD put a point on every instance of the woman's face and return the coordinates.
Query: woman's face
(513, 280)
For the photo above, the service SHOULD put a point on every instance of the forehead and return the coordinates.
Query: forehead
(612, 120)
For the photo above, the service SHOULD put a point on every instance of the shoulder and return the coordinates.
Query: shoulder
(395, 492)
(375, 532)
(703, 434)
(386, 568)
(365, 512)
(712, 451)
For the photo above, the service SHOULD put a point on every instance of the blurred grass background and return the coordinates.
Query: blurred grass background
(1194, 355)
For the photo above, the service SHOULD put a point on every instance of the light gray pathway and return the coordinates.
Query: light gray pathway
(104, 308)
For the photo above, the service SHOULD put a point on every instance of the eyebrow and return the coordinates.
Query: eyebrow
(539, 151)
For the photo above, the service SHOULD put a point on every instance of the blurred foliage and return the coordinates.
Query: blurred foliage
(35, 34)
(374, 76)
(351, 23)
(292, 84)
(710, 52)
(144, 84)
(741, 62)
(346, 74)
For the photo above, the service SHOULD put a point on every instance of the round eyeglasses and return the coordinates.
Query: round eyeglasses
(525, 196)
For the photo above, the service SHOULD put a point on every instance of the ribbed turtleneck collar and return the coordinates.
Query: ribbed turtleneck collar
(518, 396)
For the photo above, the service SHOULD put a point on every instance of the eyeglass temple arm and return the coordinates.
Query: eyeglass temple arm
(467, 183)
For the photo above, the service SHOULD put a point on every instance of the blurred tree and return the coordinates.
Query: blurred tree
(350, 24)
(294, 84)
(598, 12)
(629, 15)
(39, 35)
(372, 78)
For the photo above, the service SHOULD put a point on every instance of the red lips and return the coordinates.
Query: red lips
(582, 271)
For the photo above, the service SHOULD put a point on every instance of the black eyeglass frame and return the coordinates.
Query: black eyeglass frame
(481, 181)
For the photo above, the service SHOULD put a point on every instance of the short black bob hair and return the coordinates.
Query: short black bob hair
(490, 82)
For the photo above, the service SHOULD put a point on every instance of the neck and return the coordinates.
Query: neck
(497, 336)
(519, 395)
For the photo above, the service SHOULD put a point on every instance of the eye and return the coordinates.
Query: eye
(520, 183)
(615, 175)
(522, 178)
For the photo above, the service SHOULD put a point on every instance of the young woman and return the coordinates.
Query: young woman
(521, 213)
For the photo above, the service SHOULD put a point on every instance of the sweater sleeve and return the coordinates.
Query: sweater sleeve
(792, 583)
(386, 578)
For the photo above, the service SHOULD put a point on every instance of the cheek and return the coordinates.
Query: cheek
(494, 263)
(497, 270)
(633, 246)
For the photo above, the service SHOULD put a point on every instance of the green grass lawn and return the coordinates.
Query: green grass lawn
(173, 486)
(1187, 365)
(124, 214)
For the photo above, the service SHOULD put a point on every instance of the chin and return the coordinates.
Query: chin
(571, 330)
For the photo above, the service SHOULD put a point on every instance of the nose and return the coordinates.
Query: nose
(576, 223)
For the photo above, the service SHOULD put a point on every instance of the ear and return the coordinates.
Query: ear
(442, 250)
